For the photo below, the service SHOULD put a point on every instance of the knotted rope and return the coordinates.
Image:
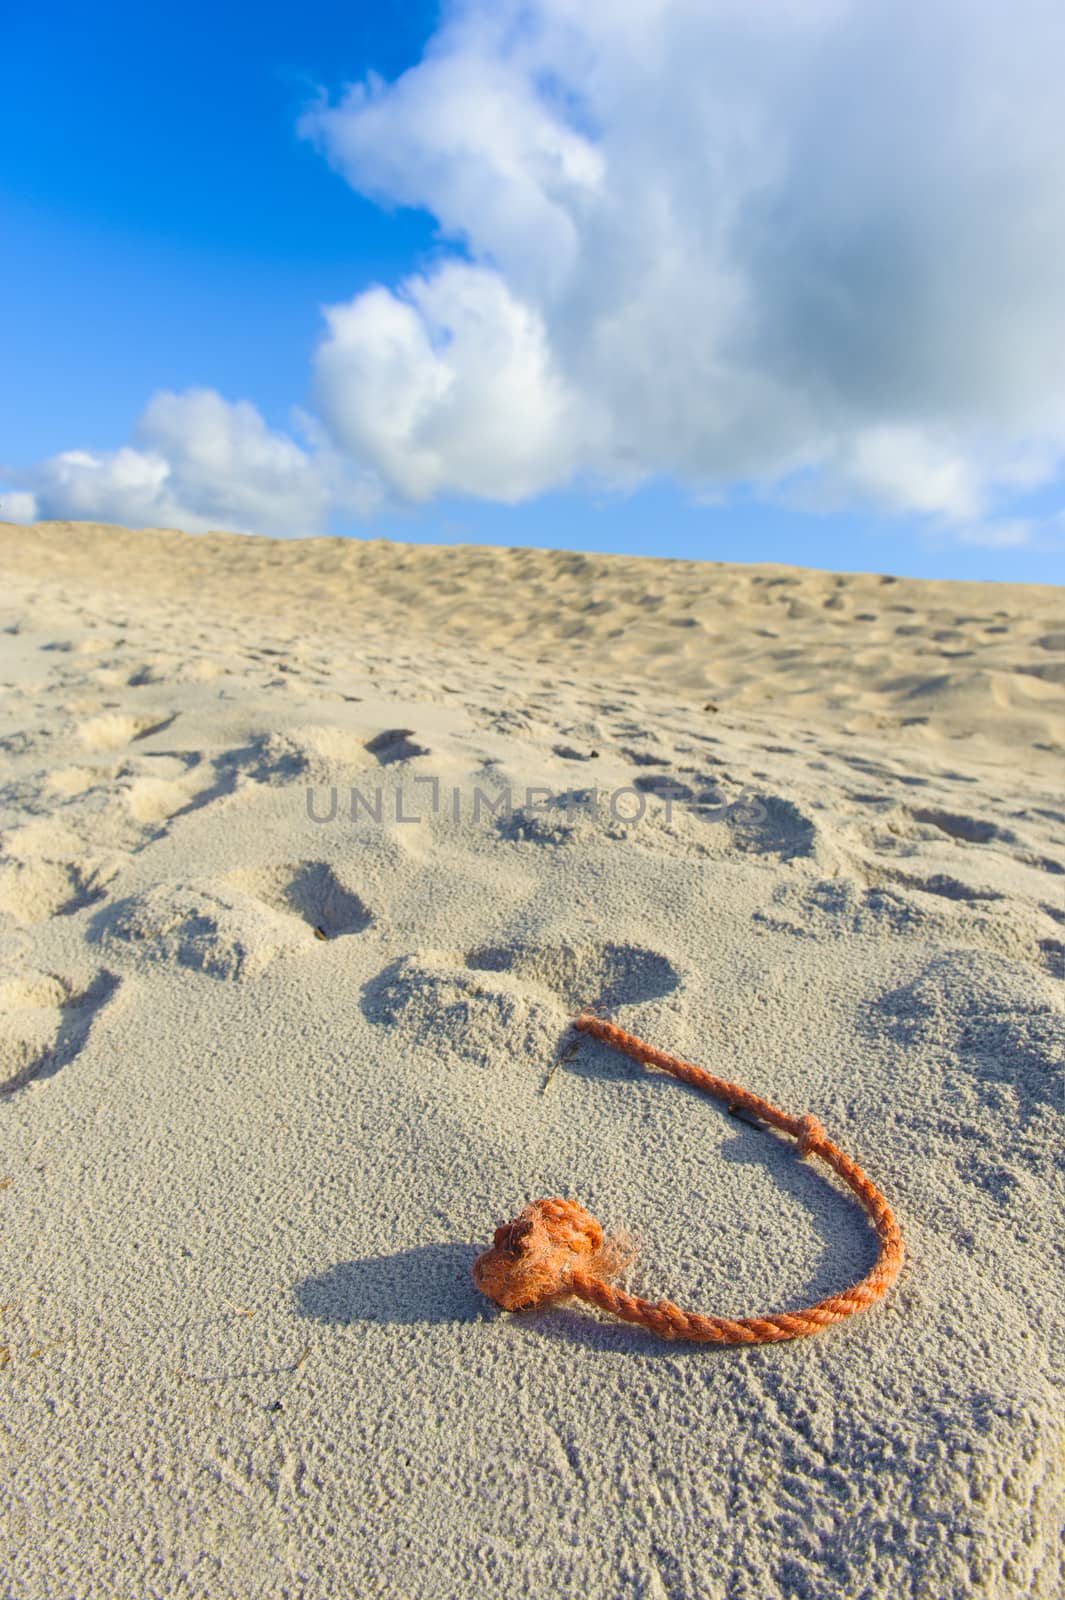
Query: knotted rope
(555, 1248)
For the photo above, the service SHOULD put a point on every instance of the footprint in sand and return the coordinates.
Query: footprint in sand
(997, 1028)
(663, 813)
(583, 974)
(309, 890)
(267, 758)
(772, 825)
(941, 884)
(45, 1021)
(1053, 953)
(159, 787)
(111, 730)
(938, 910)
(228, 929)
(34, 891)
(919, 824)
(838, 908)
(44, 872)
(968, 829)
(395, 744)
(155, 801)
(168, 784)
(496, 1007)
(69, 782)
(568, 752)
(465, 1022)
(331, 746)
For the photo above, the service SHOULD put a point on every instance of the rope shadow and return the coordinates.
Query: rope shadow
(428, 1284)
(431, 1285)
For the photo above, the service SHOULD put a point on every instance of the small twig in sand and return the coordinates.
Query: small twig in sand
(567, 1055)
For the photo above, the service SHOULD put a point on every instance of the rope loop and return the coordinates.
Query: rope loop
(555, 1247)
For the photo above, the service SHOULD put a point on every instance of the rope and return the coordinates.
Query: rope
(556, 1248)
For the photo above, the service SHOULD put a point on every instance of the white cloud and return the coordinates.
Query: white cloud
(469, 135)
(909, 469)
(199, 463)
(730, 242)
(1008, 534)
(17, 506)
(449, 385)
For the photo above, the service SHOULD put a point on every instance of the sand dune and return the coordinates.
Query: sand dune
(308, 855)
(982, 663)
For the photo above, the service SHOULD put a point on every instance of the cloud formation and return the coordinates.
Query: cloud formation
(450, 384)
(198, 463)
(807, 247)
(752, 241)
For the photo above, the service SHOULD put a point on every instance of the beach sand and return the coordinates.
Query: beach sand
(273, 1075)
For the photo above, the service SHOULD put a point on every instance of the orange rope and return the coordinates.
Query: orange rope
(554, 1247)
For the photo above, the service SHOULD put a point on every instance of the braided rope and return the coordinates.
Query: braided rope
(554, 1247)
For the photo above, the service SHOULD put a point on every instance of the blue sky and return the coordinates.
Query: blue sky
(772, 282)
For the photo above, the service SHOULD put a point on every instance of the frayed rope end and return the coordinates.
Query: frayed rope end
(533, 1258)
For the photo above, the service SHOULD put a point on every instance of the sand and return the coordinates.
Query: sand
(272, 1077)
